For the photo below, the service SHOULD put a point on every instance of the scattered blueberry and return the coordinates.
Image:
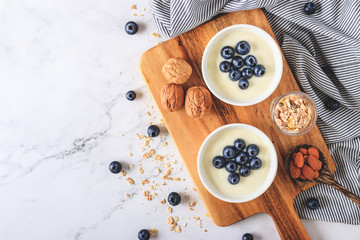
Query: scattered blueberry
(250, 61)
(310, 8)
(243, 84)
(234, 75)
(244, 171)
(242, 47)
(227, 52)
(115, 167)
(331, 104)
(174, 198)
(237, 62)
(131, 28)
(233, 178)
(229, 152)
(259, 70)
(255, 163)
(312, 203)
(225, 66)
(242, 158)
(246, 73)
(144, 234)
(231, 166)
(153, 131)
(130, 95)
(247, 236)
(239, 144)
(219, 162)
(252, 150)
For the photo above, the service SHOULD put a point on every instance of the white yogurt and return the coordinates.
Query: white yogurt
(260, 48)
(219, 177)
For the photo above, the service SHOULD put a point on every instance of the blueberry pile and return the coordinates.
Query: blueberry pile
(239, 68)
(238, 160)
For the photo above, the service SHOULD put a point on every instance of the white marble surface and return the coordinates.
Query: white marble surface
(63, 113)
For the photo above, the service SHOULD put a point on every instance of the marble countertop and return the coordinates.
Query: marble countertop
(65, 67)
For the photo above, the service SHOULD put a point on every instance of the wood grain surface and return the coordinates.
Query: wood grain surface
(189, 133)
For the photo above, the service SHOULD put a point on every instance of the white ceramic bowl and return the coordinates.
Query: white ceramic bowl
(243, 198)
(277, 73)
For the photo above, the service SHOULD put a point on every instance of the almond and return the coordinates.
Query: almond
(299, 160)
(304, 151)
(308, 172)
(294, 170)
(314, 152)
(314, 163)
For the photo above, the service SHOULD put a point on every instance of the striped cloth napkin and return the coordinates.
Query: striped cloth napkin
(323, 51)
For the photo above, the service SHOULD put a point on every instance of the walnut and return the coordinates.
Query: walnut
(197, 102)
(177, 70)
(172, 97)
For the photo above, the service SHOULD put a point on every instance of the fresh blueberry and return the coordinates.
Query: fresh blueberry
(153, 131)
(242, 158)
(312, 203)
(247, 236)
(219, 162)
(131, 28)
(310, 8)
(234, 75)
(115, 167)
(227, 52)
(233, 178)
(237, 62)
(239, 144)
(174, 198)
(259, 70)
(255, 163)
(229, 152)
(243, 84)
(250, 61)
(332, 104)
(231, 166)
(244, 171)
(144, 234)
(130, 95)
(246, 73)
(252, 150)
(242, 47)
(225, 66)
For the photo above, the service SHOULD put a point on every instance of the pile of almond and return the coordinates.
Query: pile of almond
(305, 164)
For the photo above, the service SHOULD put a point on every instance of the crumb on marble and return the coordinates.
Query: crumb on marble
(123, 173)
(130, 181)
(165, 144)
(133, 6)
(148, 113)
(127, 195)
(155, 35)
(144, 182)
(146, 193)
(130, 154)
(149, 198)
(192, 204)
(153, 232)
(131, 166)
(176, 179)
(163, 201)
(169, 209)
(141, 170)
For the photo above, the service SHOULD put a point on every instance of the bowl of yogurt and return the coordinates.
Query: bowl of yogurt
(248, 89)
(237, 179)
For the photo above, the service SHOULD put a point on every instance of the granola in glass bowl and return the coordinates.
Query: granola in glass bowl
(294, 113)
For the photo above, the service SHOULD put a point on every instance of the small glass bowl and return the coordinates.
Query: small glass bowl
(313, 114)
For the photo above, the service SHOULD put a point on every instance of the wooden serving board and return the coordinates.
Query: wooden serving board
(189, 133)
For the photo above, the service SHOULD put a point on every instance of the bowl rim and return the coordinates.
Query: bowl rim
(276, 100)
(277, 55)
(255, 194)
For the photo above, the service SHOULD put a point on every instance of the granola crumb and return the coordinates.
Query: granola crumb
(145, 181)
(133, 7)
(158, 170)
(176, 218)
(164, 183)
(146, 193)
(177, 229)
(162, 122)
(130, 154)
(155, 194)
(205, 230)
(148, 113)
(155, 35)
(170, 220)
(150, 123)
(130, 181)
(164, 144)
(141, 170)
(163, 201)
(152, 151)
(187, 196)
(123, 173)
(131, 166)
(149, 198)
(176, 178)
(169, 209)
(192, 204)
(127, 195)
(153, 232)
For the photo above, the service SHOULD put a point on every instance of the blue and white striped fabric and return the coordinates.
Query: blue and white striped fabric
(325, 42)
